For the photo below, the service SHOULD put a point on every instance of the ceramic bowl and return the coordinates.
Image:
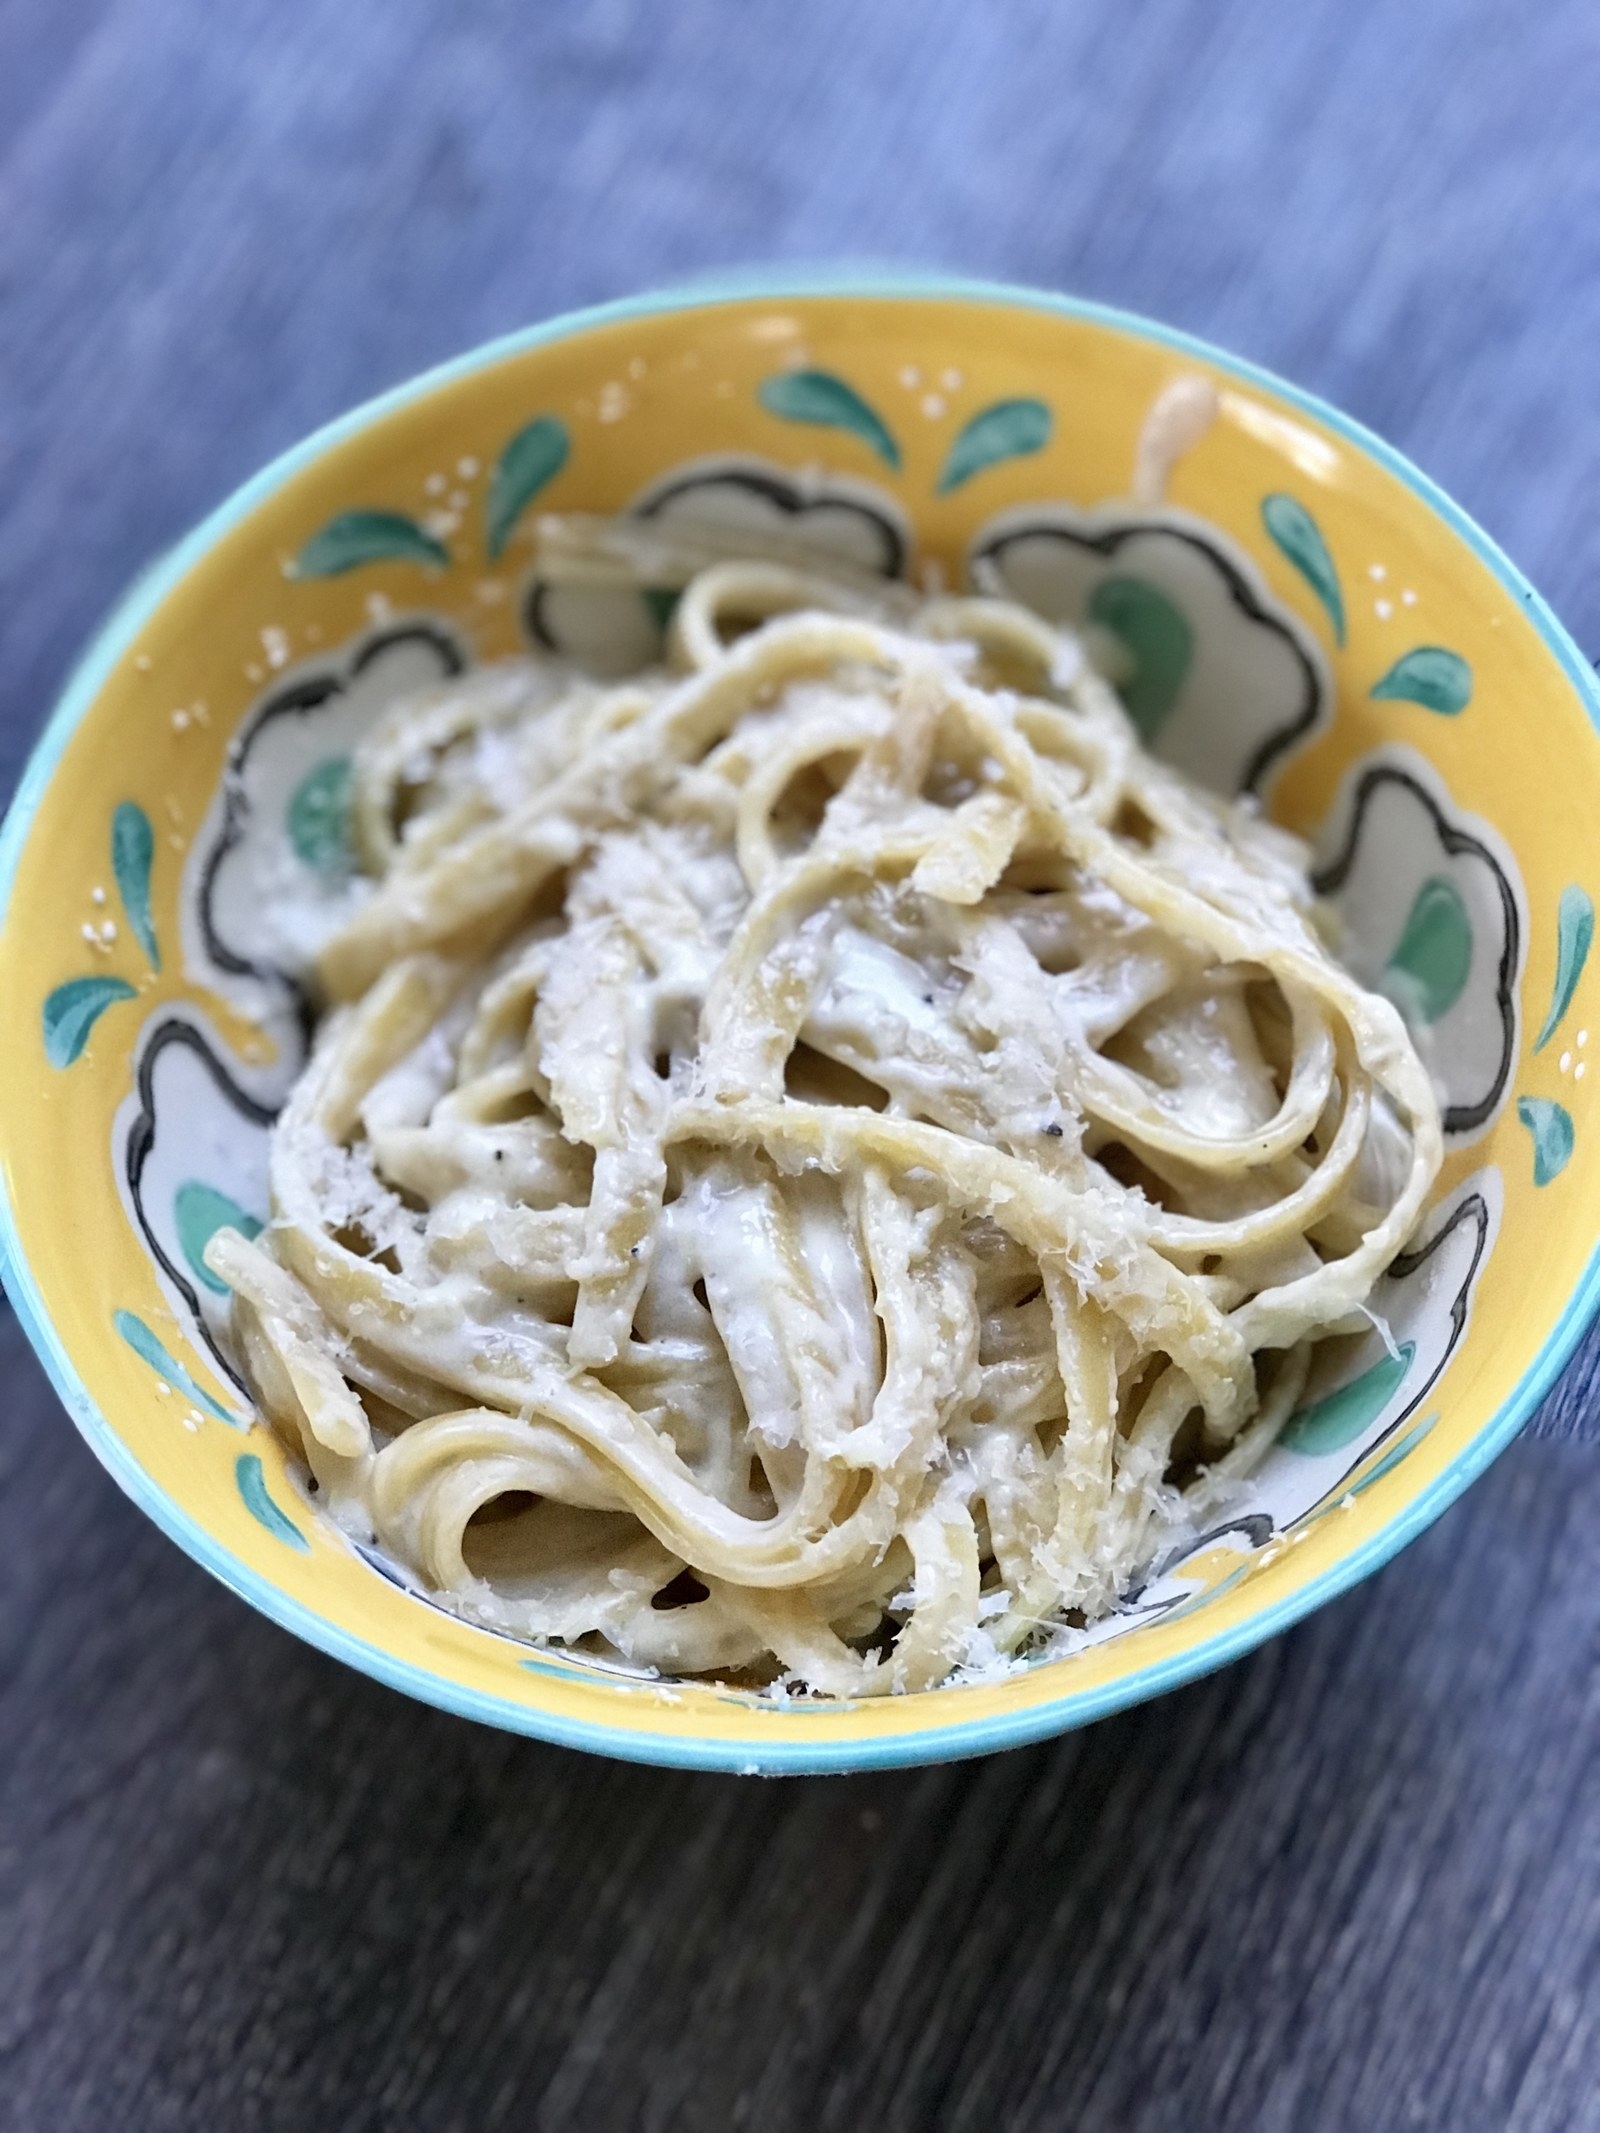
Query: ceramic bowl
(1304, 616)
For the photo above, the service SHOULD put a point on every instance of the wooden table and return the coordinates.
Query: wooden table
(1351, 1883)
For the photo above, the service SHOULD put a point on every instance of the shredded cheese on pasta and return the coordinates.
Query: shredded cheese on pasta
(817, 1154)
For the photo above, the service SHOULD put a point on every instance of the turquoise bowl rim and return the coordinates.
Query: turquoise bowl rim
(778, 1757)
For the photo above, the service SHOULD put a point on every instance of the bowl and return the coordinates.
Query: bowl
(1297, 613)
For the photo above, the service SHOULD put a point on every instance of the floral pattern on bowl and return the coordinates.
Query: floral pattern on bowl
(191, 1156)
(1432, 912)
(1225, 681)
(271, 864)
(614, 630)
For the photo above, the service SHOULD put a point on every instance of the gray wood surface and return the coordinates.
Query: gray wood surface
(1352, 1882)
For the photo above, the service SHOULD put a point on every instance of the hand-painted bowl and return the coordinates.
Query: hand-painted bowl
(1303, 616)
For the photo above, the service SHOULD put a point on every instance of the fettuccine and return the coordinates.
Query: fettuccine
(814, 1150)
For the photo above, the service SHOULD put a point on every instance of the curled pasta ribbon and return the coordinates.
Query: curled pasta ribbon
(819, 1155)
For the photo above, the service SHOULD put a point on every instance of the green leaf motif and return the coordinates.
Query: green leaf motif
(73, 1009)
(1432, 959)
(133, 847)
(1553, 1136)
(1010, 429)
(252, 1480)
(1159, 641)
(198, 1212)
(356, 538)
(1329, 1424)
(534, 457)
(1299, 537)
(318, 818)
(1438, 680)
(1574, 938)
(817, 396)
(148, 1348)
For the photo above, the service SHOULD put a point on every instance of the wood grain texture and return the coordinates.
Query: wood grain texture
(1353, 1881)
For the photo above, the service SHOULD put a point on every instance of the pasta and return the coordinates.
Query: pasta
(818, 1155)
